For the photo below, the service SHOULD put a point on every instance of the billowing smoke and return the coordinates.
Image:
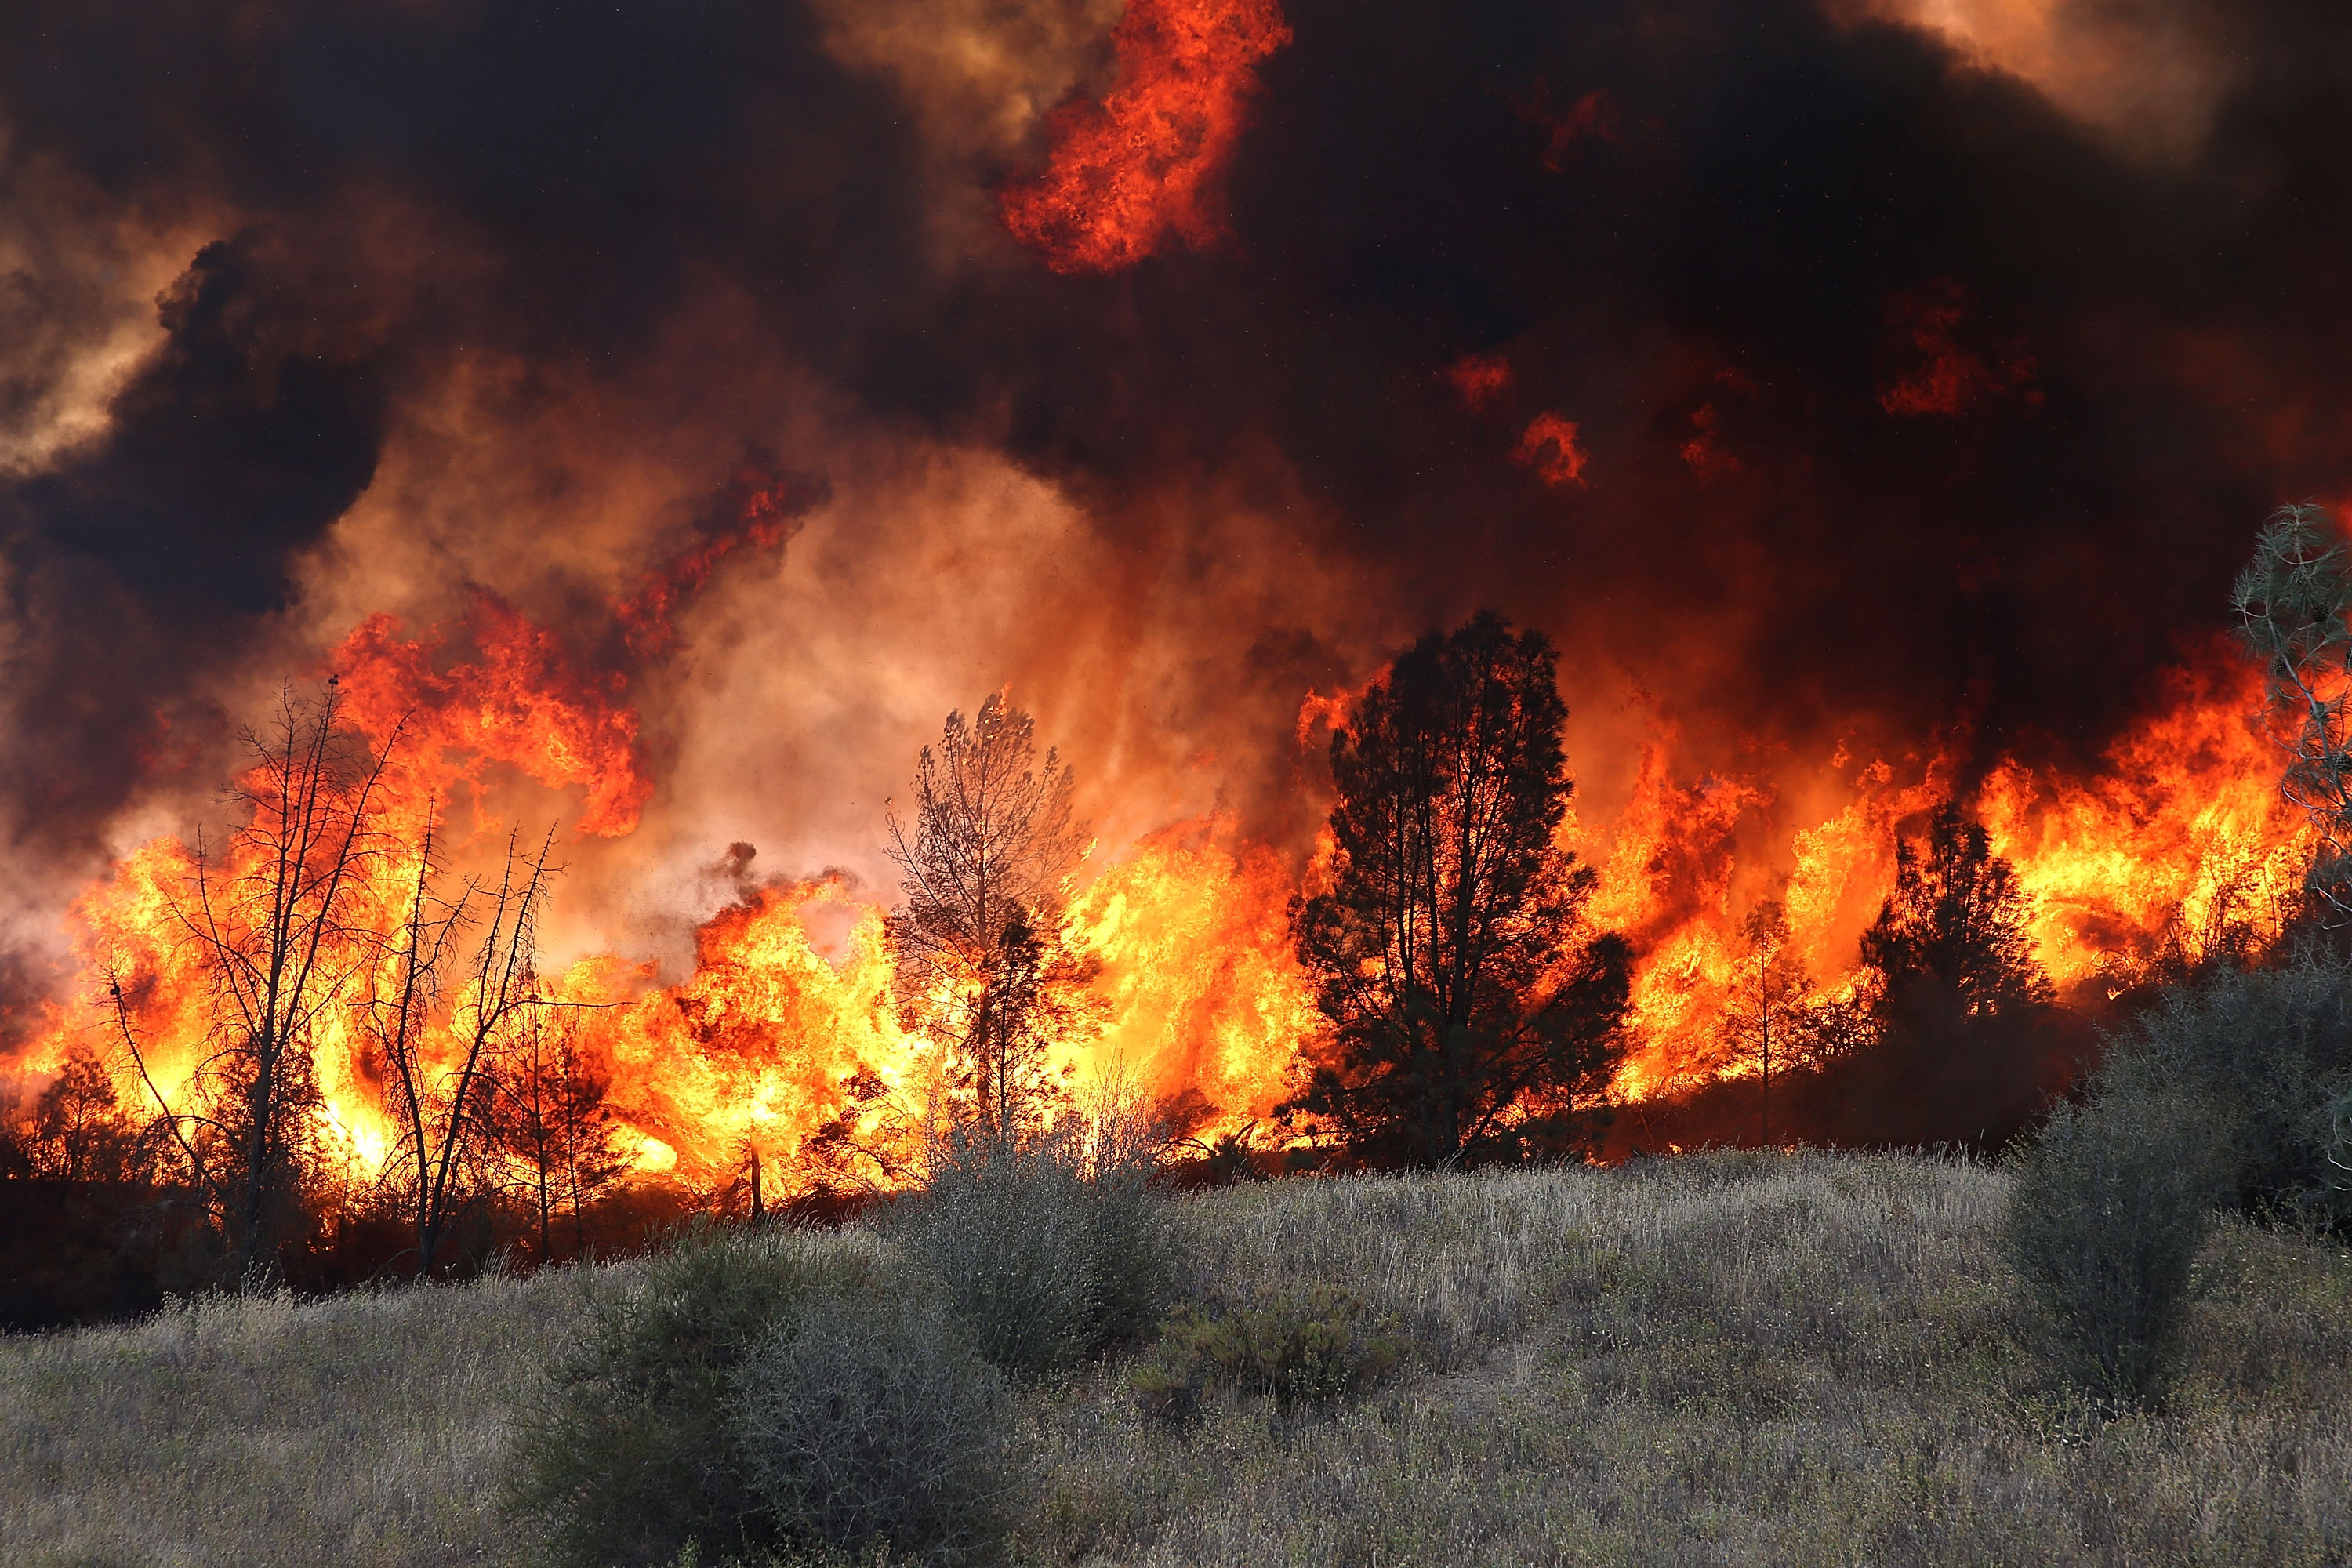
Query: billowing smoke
(1834, 382)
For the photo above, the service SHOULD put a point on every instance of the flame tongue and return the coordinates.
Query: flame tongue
(1148, 161)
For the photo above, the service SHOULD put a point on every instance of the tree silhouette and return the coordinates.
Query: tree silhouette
(1770, 1017)
(1951, 937)
(76, 1131)
(545, 1110)
(1471, 1016)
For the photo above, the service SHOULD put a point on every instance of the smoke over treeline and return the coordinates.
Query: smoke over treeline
(1812, 376)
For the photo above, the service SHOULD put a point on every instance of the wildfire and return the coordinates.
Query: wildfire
(519, 703)
(1151, 158)
(778, 1042)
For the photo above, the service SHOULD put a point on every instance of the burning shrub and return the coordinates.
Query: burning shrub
(1298, 1345)
(632, 1456)
(1049, 1249)
(2110, 1202)
(868, 1418)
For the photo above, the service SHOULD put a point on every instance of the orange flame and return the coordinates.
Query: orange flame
(519, 704)
(783, 1036)
(1151, 158)
(1549, 447)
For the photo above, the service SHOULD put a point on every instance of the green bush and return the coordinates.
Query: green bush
(630, 1457)
(2110, 1203)
(868, 1418)
(2267, 1055)
(1048, 1251)
(1299, 1345)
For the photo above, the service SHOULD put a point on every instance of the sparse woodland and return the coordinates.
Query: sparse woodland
(1445, 1338)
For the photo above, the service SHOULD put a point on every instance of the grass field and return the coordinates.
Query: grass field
(1802, 1359)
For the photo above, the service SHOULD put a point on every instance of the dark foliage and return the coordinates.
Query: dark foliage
(1470, 1012)
(2267, 1057)
(1961, 1014)
(1951, 938)
(2110, 1203)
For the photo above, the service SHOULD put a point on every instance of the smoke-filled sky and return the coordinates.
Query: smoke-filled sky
(1820, 374)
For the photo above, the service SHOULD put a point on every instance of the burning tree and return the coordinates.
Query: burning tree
(983, 968)
(2293, 602)
(544, 1107)
(440, 1100)
(275, 923)
(1470, 1012)
(1769, 1011)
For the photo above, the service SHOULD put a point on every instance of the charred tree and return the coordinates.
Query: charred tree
(1472, 1014)
(981, 969)
(270, 917)
(442, 1106)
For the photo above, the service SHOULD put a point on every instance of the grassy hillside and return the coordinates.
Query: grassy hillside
(1755, 1359)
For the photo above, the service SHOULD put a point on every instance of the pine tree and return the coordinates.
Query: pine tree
(1471, 1015)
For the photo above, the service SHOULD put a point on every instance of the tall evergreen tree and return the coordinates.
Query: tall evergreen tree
(1951, 938)
(1471, 1016)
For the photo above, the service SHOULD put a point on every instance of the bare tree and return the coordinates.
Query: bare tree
(982, 968)
(269, 916)
(2292, 601)
(442, 1107)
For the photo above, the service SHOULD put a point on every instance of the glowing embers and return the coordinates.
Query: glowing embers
(1549, 445)
(1150, 159)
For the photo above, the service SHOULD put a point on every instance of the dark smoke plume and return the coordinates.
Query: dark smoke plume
(1899, 396)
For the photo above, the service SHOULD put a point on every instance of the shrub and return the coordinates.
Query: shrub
(867, 1419)
(1299, 1344)
(629, 1458)
(2268, 1057)
(1047, 1251)
(2110, 1203)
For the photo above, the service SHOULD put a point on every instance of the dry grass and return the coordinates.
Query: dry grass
(365, 1429)
(1735, 1360)
(1722, 1360)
